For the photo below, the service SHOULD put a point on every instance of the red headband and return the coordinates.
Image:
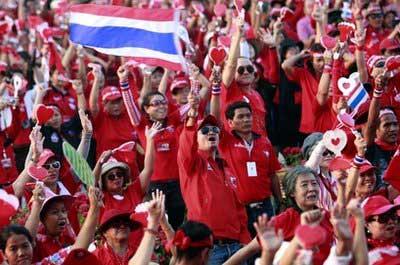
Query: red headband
(183, 242)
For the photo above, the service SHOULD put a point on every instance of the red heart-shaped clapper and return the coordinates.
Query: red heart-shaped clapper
(43, 114)
(238, 4)
(9, 205)
(328, 42)
(345, 29)
(34, 21)
(225, 41)
(199, 8)
(217, 55)
(38, 173)
(310, 236)
(286, 14)
(335, 141)
(125, 147)
(220, 10)
(346, 120)
(392, 63)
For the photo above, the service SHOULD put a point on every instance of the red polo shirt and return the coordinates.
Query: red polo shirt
(309, 89)
(107, 256)
(234, 93)
(253, 184)
(166, 147)
(288, 222)
(66, 102)
(324, 116)
(208, 190)
(46, 245)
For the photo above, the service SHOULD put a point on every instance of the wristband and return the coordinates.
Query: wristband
(151, 231)
(215, 90)
(124, 85)
(377, 93)
(327, 69)
(358, 161)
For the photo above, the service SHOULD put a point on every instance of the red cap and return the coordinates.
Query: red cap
(339, 163)
(81, 256)
(110, 93)
(373, 60)
(113, 214)
(374, 9)
(209, 120)
(376, 205)
(179, 82)
(366, 166)
(44, 156)
(389, 44)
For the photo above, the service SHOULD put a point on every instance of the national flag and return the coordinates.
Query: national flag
(357, 98)
(147, 35)
(392, 173)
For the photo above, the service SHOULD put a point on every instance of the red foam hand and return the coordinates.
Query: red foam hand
(218, 55)
(345, 29)
(43, 114)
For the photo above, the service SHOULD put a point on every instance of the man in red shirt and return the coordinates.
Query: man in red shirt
(208, 187)
(375, 32)
(253, 161)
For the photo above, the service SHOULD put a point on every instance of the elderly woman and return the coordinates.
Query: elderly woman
(17, 243)
(381, 224)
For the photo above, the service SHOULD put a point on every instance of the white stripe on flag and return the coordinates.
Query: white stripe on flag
(104, 21)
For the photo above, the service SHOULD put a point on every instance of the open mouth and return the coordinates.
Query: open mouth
(212, 138)
(311, 197)
(62, 224)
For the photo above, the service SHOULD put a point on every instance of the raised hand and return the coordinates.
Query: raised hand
(340, 223)
(266, 37)
(354, 208)
(153, 130)
(87, 127)
(95, 198)
(361, 145)
(156, 208)
(269, 239)
(104, 157)
(311, 217)
(77, 86)
(37, 140)
(123, 73)
(38, 193)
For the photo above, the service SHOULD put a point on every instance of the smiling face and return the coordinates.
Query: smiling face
(55, 218)
(114, 180)
(383, 227)
(18, 250)
(366, 183)
(157, 108)
(306, 192)
(181, 95)
(52, 166)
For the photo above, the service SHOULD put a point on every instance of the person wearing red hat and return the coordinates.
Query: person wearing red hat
(17, 243)
(238, 83)
(381, 222)
(390, 47)
(81, 256)
(208, 186)
(375, 32)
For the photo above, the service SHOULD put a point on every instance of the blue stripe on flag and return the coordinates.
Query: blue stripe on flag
(120, 37)
(359, 98)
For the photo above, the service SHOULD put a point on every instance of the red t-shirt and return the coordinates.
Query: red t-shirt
(324, 116)
(373, 39)
(208, 189)
(253, 185)
(8, 169)
(309, 89)
(133, 195)
(234, 93)
(66, 102)
(46, 245)
(288, 222)
(107, 256)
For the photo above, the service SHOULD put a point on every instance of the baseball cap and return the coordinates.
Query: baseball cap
(389, 44)
(115, 214)
(209, 120)
(44, 156)
(376, 205)
(179, 82)
(110, 93)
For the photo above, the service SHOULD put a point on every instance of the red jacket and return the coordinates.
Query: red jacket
(208, 190)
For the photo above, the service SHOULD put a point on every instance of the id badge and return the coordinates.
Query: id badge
(251, 169)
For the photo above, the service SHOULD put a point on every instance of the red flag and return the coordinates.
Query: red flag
(392, 174)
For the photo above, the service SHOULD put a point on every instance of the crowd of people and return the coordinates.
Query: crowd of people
(283, 151)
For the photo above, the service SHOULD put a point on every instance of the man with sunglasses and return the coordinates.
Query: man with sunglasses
(375, 33)
(239, 80)
(208, 186)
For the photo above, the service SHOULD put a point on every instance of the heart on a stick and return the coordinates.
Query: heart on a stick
(38, 173)
(220, 10)
(335, 140)
(310, 236)
(345, 29)
(346, 120)
(328, 42)
(348, 85)
(218, 55)
(43, 114)
(125, 147)
(9, 205)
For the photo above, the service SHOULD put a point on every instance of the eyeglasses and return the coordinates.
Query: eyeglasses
(376, 16)
(55, 165)
(119, 223)
(206, 129)
(379, 64)
(156, 103)
(248, 68)
(327, 152)
(384, 218)
(114, 176)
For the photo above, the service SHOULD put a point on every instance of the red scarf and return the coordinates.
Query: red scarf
(385, 146)
(377, 243)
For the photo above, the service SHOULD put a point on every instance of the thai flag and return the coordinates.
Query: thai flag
(147, 35)
(357, 98)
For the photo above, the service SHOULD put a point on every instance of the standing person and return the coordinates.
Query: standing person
(208, 186)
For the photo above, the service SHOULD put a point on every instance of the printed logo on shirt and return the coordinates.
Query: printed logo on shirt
(233, 182)
(54, 138)
(266, 153)
(163, 147)
(209, 167)
(57, 98)
(239, 145)
(72, 106)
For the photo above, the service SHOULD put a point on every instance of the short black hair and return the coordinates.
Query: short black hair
(13, 229)
(317, 47)
(196, 231)
(230, 110)
(147, 98)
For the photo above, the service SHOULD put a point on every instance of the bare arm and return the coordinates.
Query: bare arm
(32, 223)
(95, 92)
(146, 87)
(360, 250)
(162, 87)
(373, 113)
(87, 131)
(360, 54)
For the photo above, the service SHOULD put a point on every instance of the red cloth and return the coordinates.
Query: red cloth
(47, 245)
(392, 173)
(268, 59)
(7, 174)
(107, 256)
(208, 189)
(133, 195)
(373, 39)
(237, 155)
(309, 89)
(288, 222)
(234, 93)
(66, 102)
(324, 116)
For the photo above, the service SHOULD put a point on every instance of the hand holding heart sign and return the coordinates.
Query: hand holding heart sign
(335, 141)
(348, 85)
(43, 113)
(218, 55)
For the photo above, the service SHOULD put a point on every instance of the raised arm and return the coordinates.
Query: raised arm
(289, 64)
(100, 162)
(324, 82)
(146, 87)
(129, 102)
(360, 250)
(87, 131)
(32, 223)
(215, 103)
(360, 54)
(228, 73)
(354, 173)
(162, 87)
(98, 82)
(77, 85)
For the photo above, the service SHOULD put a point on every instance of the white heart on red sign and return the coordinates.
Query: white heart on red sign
(335, 140)
(125, 147)
(347, 85)
(220, 10)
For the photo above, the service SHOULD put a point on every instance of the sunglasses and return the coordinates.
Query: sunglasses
(327, 152)
(119, 223)
(116, 175)
(384, 218)
(206, 129)
(376, 16)
(156, 103)
(379, 64)
(248, 68)
(55, 165)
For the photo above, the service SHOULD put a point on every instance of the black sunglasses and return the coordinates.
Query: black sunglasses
(384, 218)
(376, 16)
(206, 129)
(119, 223)
(55, 165)
(116, 175)
(379, 64)
(327, 152)
(248, 68)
